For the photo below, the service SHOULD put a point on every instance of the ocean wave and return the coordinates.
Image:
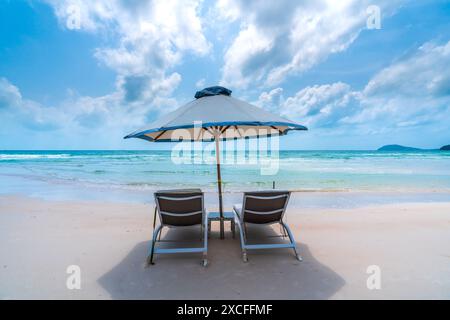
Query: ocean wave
(8, 157)
(302, 171)
(78, 155)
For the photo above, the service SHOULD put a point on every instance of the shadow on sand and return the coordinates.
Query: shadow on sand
(269, 274)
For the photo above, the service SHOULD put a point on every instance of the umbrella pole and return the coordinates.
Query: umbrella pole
(219, 186)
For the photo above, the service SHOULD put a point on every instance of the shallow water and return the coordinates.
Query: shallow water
(133, 175)
(297, 170)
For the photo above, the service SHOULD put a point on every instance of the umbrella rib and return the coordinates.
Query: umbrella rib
(207, 129)
(224, 129)
(218, 130)
(279, 131)
(240, 135)
(159, 135)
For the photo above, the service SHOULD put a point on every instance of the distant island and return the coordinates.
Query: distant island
(397, 147)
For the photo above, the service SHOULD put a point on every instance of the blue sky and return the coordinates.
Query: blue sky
(85, 83)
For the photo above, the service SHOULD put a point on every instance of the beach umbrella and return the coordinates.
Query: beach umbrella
(215, 115)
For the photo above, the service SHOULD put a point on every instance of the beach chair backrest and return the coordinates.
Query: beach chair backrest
(264, 206)
(180, 207)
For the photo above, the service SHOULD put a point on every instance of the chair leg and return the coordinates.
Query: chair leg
(209, 228)
(233, 228)
(152, 248)
(205, 242)
(243, 230)
(283, 231)
(291, 238)
(244, 256)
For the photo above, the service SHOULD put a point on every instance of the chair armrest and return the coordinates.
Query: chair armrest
(237, 217)
(236, 211)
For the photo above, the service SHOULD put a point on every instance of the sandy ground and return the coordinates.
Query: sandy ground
(109, 241)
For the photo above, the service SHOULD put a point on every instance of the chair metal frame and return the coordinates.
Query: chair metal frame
(204, 229)
(240, 221)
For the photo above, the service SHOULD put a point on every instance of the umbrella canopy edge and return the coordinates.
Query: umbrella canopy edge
(142, 134)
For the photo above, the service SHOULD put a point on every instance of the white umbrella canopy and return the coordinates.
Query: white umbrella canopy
(220, 116)
(215, 115)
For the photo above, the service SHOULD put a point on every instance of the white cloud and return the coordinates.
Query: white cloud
(97, 121)
(280, 38)
(146, 41)
(321, 106)
(426, 73)
(150, 39)
(200, 84)
(144, 89)
(270, 100)
(9, 94)
(409, 94)
(29, 113)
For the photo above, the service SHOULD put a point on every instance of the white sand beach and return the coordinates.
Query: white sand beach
(331, 115)
(39, 239)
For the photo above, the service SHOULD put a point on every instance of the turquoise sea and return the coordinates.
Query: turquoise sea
(52, 173)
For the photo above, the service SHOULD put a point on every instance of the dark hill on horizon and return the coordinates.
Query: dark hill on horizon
(397, 147)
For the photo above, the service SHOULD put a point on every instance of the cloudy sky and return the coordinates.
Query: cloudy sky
(81, 74)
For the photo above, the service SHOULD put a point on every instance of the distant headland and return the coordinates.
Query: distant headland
(397, 147)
